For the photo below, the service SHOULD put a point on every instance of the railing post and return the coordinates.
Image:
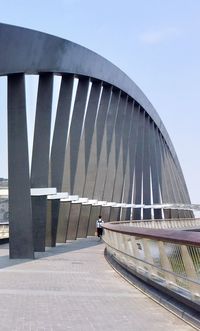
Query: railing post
(148, 256)
(190, 270)
(166, 263)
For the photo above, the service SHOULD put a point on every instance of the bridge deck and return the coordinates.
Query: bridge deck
(73, 287)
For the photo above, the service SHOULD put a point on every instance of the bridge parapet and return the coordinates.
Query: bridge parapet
(167, 259)
(184, 223)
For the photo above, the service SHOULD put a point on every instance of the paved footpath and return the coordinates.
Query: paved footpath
(72, 287)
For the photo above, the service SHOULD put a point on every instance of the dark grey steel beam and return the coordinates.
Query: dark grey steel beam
(20, 215)
(161, 169)
(105, 213)
(94, 156)
(114, 214)
(155, 170)
(120, 132)
(97, 142)
(83, 221)
(91, 114)
(139, 165)
(73, 143)
(85, 151)
(74, 150)
(106, 146)
(122, 181)
(63, 220)
(146, 170)
(40, 157)
(76, 127)
(41, 142)
(60, 131)
(94, 215)
(166, 189)
(132, 144)
(86, 139)
(48, 236)
(177, 187)
(173, 194)
(62, 56)
(114, 150)
(74, 213)
(58, 152)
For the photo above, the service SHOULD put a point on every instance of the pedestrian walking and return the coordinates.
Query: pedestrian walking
(99, 228)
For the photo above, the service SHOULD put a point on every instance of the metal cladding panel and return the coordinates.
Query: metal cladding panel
(139, 165)
(86, 139)
(161, 166)
(105, 213)
(114, 214)
(55, 205)
(41, 142)
(132, 145)
(76, 128)
(59, 142)
(102, 116)
(83, 221)
(80, 176)
(146, 171)
(155, 171)
(63, 220)
(101, 172)
(118, 185)
(74, 213)
(90, 179)
(169, 182)
(99, 191)
(60, 131)
(39, 215)
(40, 156)
(93, 164)
(48, 236)
(91, 113)
(110, 174)
(115, 151)
(94, 215)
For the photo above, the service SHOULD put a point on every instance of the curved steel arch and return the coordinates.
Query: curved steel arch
(117, 150)
(36, 52)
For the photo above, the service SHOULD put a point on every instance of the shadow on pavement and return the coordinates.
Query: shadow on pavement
(73, 245)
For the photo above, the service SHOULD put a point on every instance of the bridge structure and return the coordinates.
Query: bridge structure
(110, 152)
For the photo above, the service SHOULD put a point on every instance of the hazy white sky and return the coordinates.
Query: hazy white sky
(156, 42)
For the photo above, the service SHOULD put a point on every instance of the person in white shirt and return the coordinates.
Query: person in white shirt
(99, 224)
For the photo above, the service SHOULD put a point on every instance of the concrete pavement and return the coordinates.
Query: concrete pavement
(72, 287)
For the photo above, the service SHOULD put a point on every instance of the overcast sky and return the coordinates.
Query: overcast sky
(155, 42)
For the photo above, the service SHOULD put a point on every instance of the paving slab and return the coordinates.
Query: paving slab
(72, 287)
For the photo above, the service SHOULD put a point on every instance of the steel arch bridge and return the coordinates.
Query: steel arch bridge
(109, 149)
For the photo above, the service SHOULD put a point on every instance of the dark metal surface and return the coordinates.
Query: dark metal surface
(108, 143)
(39, 52)
(20, 213)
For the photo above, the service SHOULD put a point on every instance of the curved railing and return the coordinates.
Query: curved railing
(182, 224)
(167, 259)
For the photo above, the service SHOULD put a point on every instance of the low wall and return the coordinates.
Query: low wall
(167, 259)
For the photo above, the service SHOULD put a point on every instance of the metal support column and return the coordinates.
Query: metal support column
(40, 157)
(20, 215)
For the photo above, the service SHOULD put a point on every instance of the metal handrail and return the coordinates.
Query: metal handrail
(168, 258)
